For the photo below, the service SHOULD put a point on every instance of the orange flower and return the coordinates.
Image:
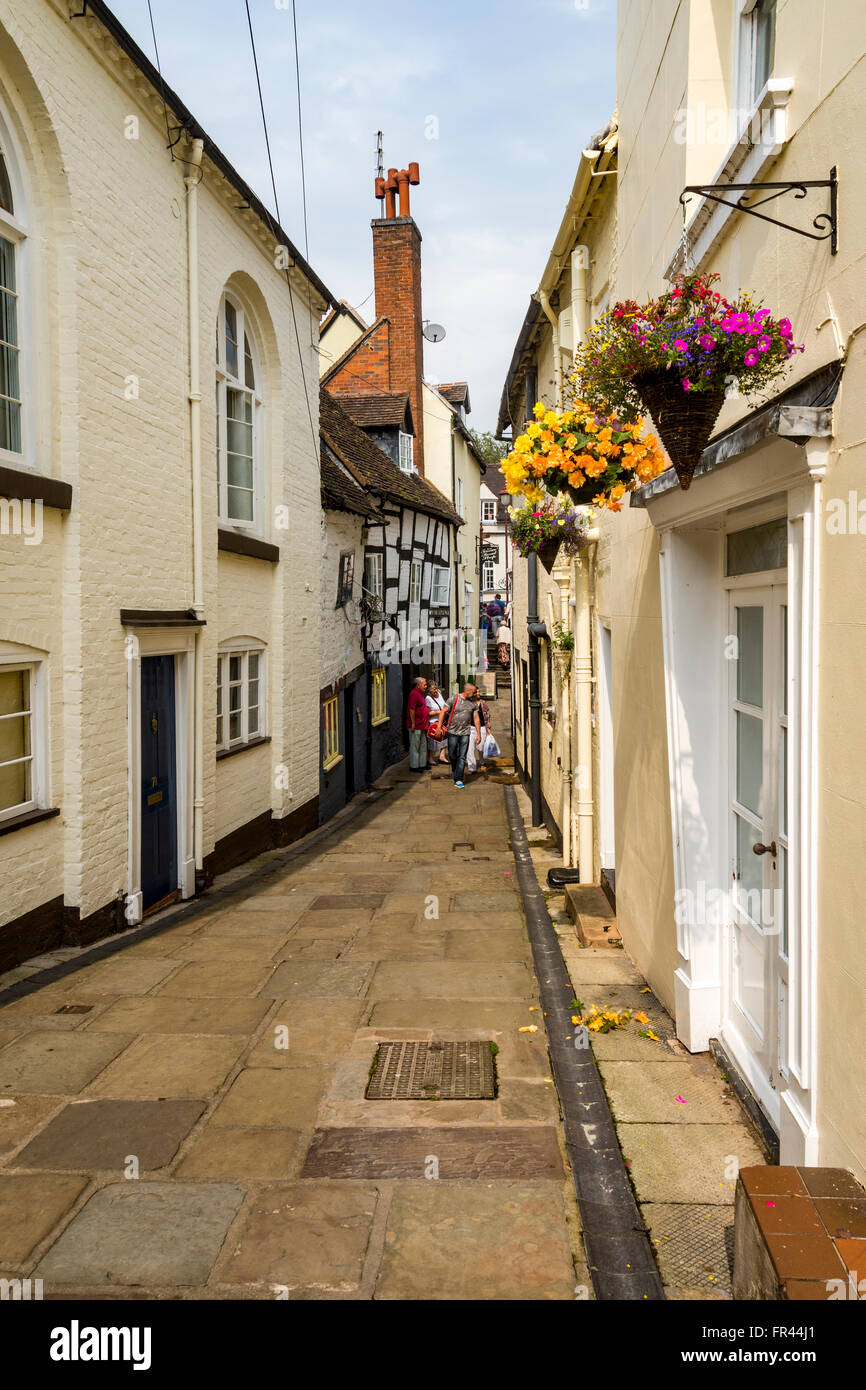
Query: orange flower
(577, 479)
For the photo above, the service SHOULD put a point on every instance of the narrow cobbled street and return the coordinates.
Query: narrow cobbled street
(187, 1117)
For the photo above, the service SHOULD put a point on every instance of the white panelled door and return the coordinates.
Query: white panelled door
(756, 968)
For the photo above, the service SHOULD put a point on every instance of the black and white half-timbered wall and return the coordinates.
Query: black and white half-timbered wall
(400, 532)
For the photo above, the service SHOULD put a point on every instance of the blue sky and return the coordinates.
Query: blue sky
(517, 87)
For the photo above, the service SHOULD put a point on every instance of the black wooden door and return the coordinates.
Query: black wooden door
(158, 780)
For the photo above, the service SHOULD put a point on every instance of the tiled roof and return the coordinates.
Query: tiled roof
(371, 468)
(378, 409)
(456, 393)
(340, 493)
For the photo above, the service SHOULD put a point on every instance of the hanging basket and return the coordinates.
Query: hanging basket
(548, 553)
(684, 419)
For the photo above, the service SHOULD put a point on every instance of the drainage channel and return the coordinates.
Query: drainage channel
(618, 1250)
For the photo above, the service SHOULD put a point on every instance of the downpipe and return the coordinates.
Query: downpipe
(192, 181)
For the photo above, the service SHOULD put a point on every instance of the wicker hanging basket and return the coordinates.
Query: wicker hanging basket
(683, 419)
(548, 553)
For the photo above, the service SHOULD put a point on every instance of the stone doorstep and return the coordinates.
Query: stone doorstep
(798, 1233)
(592, 914)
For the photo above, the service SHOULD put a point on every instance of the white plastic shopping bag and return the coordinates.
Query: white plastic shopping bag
(490, 748)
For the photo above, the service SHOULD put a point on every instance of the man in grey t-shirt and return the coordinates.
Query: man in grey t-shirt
(459, 718)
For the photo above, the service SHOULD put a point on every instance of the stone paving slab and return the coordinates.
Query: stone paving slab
(140, 1233)
(213, 980)
(49, 1063)
(299, 979)
(445, 1241)
(407, 980)
(161, 1015)
(485, 1153)
(244, 1155)
(434, 1014)
(124, 974)
(306, 1234)
(161, 1066)
(264, 1097)
(484, 902)
(665, 1093)
(31, 1204)
(21, 1115)
(303, 1030)
(685, 1163)
(502, 945)
(101, 1135)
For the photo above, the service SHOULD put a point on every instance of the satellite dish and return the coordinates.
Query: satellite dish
(433, 332)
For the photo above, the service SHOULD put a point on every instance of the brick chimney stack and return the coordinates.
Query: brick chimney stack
(397, 279)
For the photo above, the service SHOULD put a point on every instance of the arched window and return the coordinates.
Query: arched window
(238, 398)
(12, 236)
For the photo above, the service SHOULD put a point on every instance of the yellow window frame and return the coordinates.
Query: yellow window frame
(380, 697)
(331, 754)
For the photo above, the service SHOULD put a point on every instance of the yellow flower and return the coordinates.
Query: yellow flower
(538, 410)
(523, 445)
(551, 419)
(641, 1017)
(533, 430)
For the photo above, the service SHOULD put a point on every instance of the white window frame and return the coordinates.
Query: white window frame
(488, 511)
(406, 452)
(440, 592)
(373, 574)
(244, 649)
(13, 227)
(331, 754)
(488, 576)
(416, 574)
(225, 382)
(379, 696)
(747, 92)
(23, 660)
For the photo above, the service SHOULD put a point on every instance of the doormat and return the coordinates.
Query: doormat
(432, 1071)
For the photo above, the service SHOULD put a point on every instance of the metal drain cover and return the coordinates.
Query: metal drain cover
(74, 1009)
(432, 1071)
(693, 1244)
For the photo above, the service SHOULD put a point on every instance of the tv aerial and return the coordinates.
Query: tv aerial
(433, 332)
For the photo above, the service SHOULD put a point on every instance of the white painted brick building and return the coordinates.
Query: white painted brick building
(123, 262)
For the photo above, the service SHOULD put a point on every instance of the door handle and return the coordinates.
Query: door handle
(765, 849)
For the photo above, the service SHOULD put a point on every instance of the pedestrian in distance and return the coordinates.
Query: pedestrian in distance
(503, 645)
(437, 749)
(418, 722)
(459, 720)
(494, 613)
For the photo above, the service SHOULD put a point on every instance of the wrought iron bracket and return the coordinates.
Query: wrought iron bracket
(825, 223)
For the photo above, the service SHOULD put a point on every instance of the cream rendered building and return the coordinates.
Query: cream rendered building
(729, 649)
(159, 646)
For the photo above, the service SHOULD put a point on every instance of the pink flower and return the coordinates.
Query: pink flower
(764, 344)
(785, 328)
(707, 342)
(687, 385)
(681, 345)
(750, 358)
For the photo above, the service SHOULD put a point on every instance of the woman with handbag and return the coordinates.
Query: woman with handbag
(437, 748)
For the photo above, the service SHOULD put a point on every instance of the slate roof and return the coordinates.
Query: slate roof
(378, 409)
(371, 468)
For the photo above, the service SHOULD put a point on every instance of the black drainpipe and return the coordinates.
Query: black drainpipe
(533, 627)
